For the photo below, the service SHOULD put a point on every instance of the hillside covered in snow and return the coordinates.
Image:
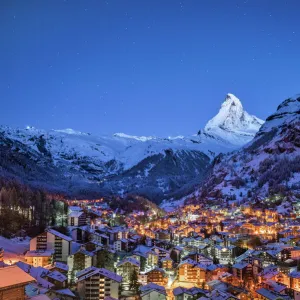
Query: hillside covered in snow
(82, 164)
(268, 165)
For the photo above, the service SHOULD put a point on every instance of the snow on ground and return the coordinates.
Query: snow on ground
(227, 131)
(14, 249)
(295, 179)
(171, 205)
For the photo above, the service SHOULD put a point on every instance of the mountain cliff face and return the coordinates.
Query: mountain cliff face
(269, 164)
(81, 164)
(233, 123)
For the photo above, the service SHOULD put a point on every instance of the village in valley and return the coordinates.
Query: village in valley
(198, 251)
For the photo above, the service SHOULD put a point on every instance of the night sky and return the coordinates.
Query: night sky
(144, 67)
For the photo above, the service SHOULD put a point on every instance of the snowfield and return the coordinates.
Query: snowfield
(78, 163)
(14, 249)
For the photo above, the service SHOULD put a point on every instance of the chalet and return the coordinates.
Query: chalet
(148, 258)
(295, 280)
(116, 233)
(39, 258)
(98, 283)
(77, 218)
(58, 266)
(167, 263)
(121, 245)
(81, 234)
(268, 273)
(58, 279)
(242, 271)
(265, 294)
(13, 282)
(81, 259)
(157, 276)
(191, 271)
(175, 254)
(127, 267)
(64, 294)
(224, 254)
(163, 235)
(274, 286)
(181, 293)
(153, 291)
(160, 252)
(98, 237)
(218, 295)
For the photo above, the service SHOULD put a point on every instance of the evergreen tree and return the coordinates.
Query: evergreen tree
(216, 261)
(133, 284)
(221, 225)
(105, 259)
(229, 267)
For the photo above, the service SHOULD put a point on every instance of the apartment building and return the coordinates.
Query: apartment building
(54, 241)
(98, 284)
(39, 258)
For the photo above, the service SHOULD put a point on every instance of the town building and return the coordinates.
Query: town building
(98, 284)
(12, 283)
(52, 240)
(39, 258)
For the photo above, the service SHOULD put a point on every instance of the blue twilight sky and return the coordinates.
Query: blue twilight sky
(159, 67)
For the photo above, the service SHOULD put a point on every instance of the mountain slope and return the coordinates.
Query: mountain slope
(233, 123)
(269, 164)
(83, 164)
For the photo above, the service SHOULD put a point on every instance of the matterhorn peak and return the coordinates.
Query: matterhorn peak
(233, 121)
(231, 101)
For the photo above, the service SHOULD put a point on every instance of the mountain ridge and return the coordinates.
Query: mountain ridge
(266, 166)
(120, 163)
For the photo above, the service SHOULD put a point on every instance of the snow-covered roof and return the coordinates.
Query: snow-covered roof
(192, 291)
(240, 266)
(269, 272)
(270, 295)
(91, 271)
(61, 266)
(130, 260)
(39, 253)
(74, 208)
(13, 275)
(58, 234)
(218, 295)
(40, 297)
(75, 214)
(66, 292)
(152, 286)
(276, 286)
(295, 274)
(57, 276)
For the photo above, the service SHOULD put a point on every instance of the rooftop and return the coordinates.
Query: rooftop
(13, 275)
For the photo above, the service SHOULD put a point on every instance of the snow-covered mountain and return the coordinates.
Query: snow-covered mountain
(268, 165)
(82, 163)
(233, 123)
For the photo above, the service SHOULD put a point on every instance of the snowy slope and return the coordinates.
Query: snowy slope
(14, 249)
(123, 163)
(269, 164)
(233, 123)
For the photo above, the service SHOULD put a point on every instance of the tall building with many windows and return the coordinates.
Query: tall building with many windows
(98, 284)
(53, 240)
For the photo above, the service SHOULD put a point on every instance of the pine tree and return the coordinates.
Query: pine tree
(216, 260)
(133, 284)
